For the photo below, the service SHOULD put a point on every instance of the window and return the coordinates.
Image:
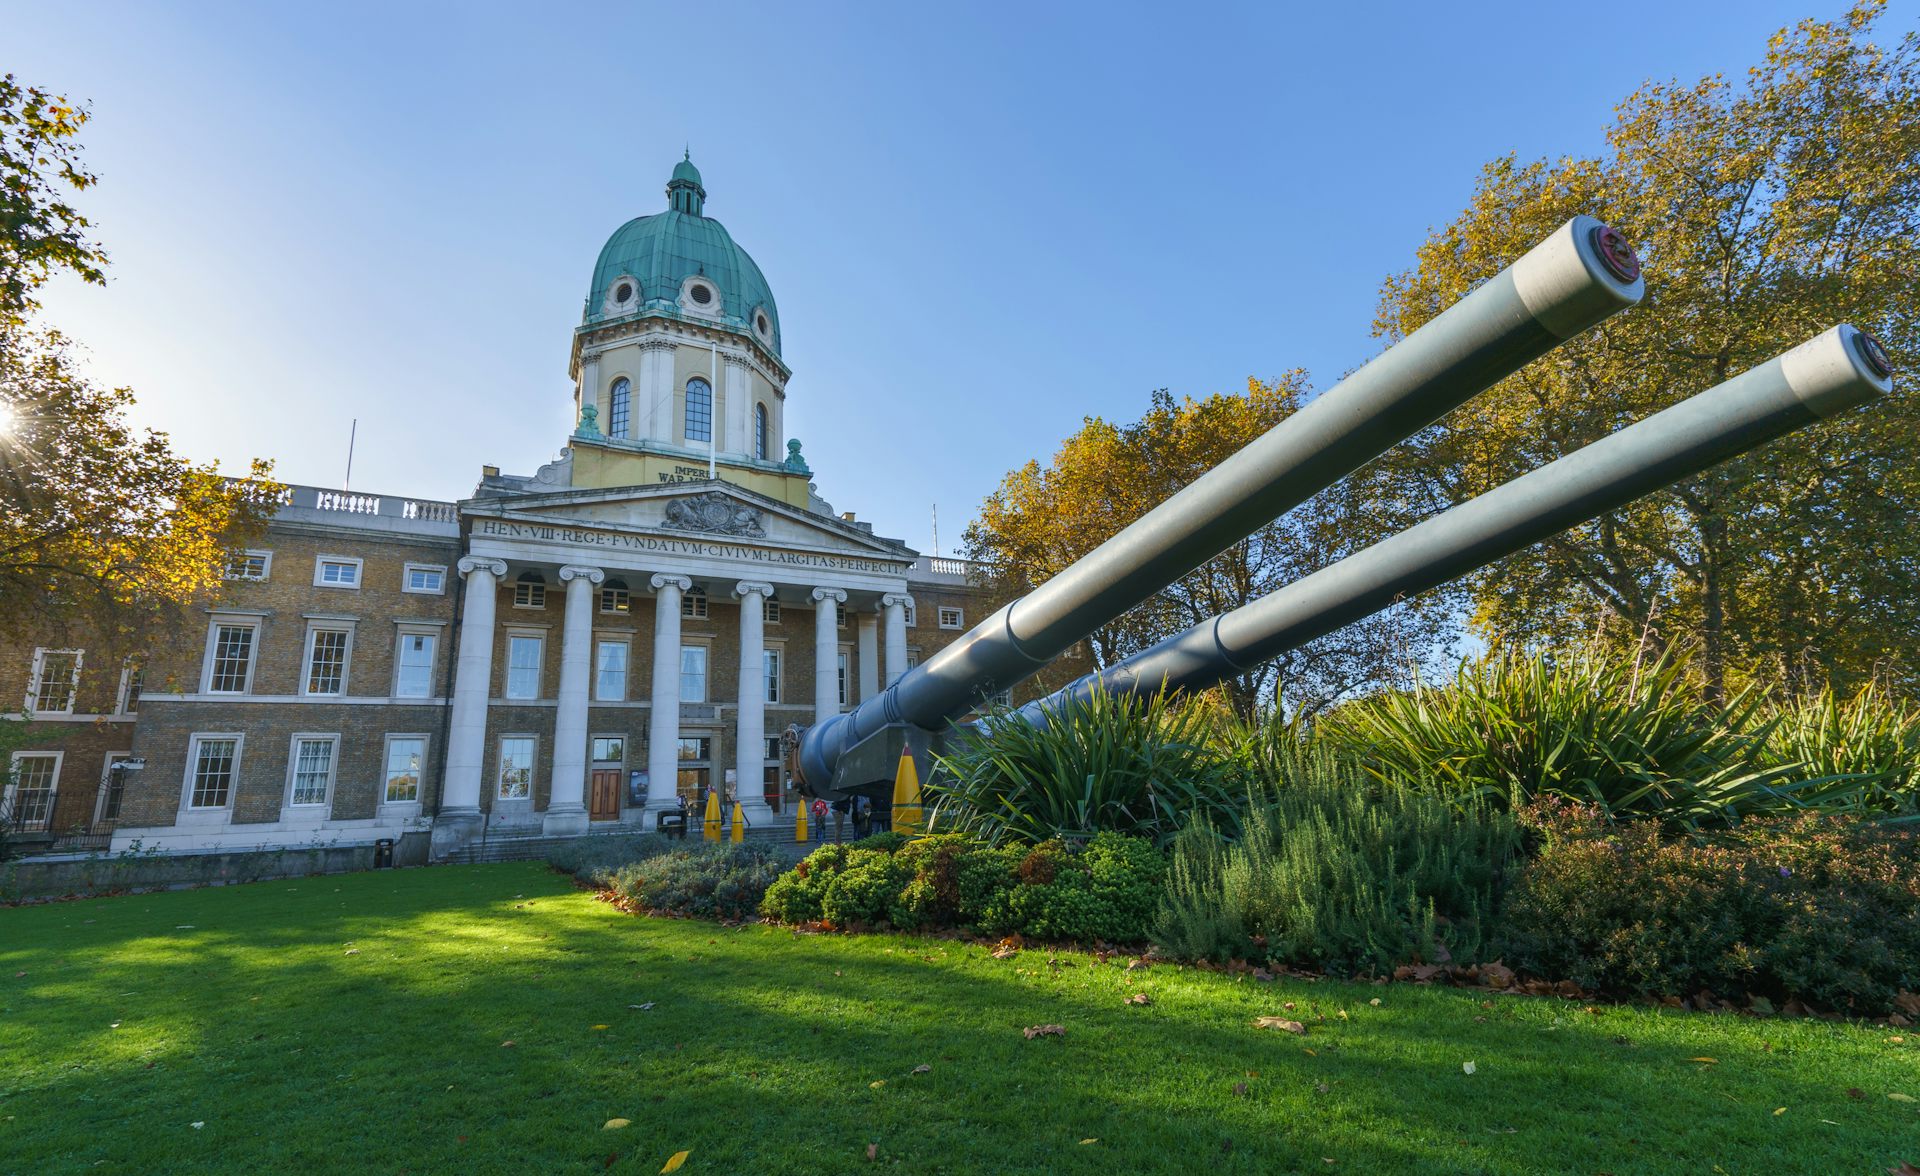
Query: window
(695, 757)
(530, 591)
(614, 597)
(312, 769)
(913, 658)
(516, 767)
(406, 757)
(693, 673)
(523, 667)
(413, 677)
(334, 571)
(327, 661)
(36, 778)
(617, 410)
(773, 747)
(609, 749)
(771, 658)
(130, 681)
(623, 292)
(210, 771)
(610, 676)
(248, 565)
(113, 787)
(951, 618)
(913, 619)
(843, 677)
(230, 658)
(693, 603)
(699, 410)
(770, 611)
(56, 679)
(430, 579)
(760, 431)
(839, 615)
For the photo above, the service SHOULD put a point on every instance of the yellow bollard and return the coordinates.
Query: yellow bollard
(739, 824)
(801, 833)
(908, 816)
(710, 825)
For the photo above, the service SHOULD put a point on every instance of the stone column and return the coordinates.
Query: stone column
(750, 726)
(459, 816)
(894, 606)
(739, 379)
(567, 799)
(590, 390)
(867, 653)
(663, 720)
(826, 653)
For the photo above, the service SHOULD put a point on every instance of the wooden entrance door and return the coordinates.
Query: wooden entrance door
(605, 805)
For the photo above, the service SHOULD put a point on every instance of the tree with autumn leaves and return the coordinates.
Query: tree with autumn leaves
(106, 534)
(1766, 209)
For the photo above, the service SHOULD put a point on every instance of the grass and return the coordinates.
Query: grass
(358, 1022)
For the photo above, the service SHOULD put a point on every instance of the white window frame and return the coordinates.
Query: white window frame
(959, 620)
(626, 667)
(314, 629)
(619, 596)
(36, 681)
(912, 614)
(693, 604)
(386, 769)
(769, 611)
(529, 594)
(500, 764)
(106, 787)
(406, 578)
(325, 803)
(402, 632)
(539, 666)
(913, 656)
(706, 671)
(59, 759)
(839, 614)
(844, 674)
(213, 638)
(772, 670)
(321, 562)
(189, 811)
(266, 565)
(130, 672)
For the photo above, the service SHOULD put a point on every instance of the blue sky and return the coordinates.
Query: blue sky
(981, 222)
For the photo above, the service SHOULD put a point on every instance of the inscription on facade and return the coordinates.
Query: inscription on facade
(681, 473)
(659, 545)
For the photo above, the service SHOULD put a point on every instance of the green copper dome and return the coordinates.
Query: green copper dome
(647, 265)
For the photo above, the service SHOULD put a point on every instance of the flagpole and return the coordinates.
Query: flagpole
(713, 404)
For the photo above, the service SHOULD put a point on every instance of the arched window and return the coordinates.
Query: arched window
(760, 431)
(617, 414)
(699, 410)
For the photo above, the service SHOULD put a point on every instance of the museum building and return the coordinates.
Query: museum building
(631, 625)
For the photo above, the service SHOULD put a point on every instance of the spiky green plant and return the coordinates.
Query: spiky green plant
(1863, 750)
(1137, 766)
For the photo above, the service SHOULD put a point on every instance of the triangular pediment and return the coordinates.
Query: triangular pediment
(708, 510)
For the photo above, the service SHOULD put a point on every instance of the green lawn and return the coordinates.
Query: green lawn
(361, 1022)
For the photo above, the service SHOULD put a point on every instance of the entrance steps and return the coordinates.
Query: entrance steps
(506, 846)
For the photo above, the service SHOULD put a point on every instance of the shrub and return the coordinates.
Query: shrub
(1862, 752)
(886, 840)
(597, 858)
(1106, 891)
(1337, 872)
(704, 880)
(1637, 740)
(1819, 907)
(1104, 763)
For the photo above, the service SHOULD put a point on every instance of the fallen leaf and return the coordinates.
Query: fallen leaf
(353, 951)
(873, 1151)
(1240, 1088)
(1896, 1096)
(876, 1083)
(923, 1068)
(1322, 1087)
(1908, 1002)
(1311, 1052)
(1004, 952)
(642, 1007)
(617, 1124)
(1855, 1092)
(1900, 1169)
(1280, 1023)
(1706, 1061)
(1085, 1142)
(597, 1028)
(1033, 1031)
(1375, 1002)
(199, 1125)
(1132, 964)
(1288, 1006)
(1779, 1110)
(1139, 998)
(1466, 1067)
(506, 1045)
(674, 1161)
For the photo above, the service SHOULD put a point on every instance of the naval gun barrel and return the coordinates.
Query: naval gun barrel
(1580, 275)
(1832, 372)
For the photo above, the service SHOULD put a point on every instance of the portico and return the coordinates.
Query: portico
(718, 689)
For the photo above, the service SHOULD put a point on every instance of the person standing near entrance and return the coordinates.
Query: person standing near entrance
(819, 810)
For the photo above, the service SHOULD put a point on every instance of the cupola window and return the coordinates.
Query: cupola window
(701, 294)
(760, 321)
(617, 411)
(760, 431)
(699, 410)
(623, 292)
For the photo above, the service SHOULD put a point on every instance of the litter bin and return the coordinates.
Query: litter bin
(383, 853)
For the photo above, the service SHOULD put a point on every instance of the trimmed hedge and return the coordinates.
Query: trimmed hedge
(1105, 892)
(706, 880)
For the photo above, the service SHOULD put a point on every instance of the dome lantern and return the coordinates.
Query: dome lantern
(684, 191)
